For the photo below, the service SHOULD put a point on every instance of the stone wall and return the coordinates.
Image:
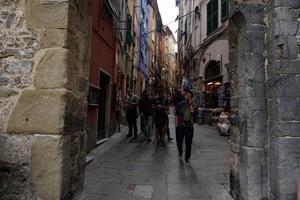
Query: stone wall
(264, 61)
(283, 97)
(45, 53)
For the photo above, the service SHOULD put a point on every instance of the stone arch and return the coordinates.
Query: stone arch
(239, 20)
(212, 70)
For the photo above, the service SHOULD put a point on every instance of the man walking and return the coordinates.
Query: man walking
(184, 113)
(146, 112)
(161, 117)
(131, 102)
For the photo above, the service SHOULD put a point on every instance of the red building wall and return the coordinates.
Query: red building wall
(103, 43)
(102, 60)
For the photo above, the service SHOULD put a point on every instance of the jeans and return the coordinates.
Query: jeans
(132, 124)
(186, 133)
(148, 126)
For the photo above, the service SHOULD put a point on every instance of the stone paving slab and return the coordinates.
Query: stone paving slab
(127, 169)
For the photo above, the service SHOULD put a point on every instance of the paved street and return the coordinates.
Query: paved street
(128, 169)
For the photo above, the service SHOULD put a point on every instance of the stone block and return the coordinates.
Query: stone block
(282, 48)
(282, 129)
(54, 38)
(39, 111)
(75, 113)
(284, 28)
(15, 162)
(284, 109)
(254, 128)
(15, 149)
(6, 93)
(253, 12)
(248, 106)
(252, 42)
(284, 13)
(284, 167)
(283, 67)
(17, 67)
(50, 166)
(285, 3)
(4, 81)
(251, 173)
(51, 68)
(47, 14)
(283, 86)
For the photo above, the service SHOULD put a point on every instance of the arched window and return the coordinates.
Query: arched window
(212, 70)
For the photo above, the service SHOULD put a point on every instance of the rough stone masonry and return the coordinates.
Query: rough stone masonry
(265, 72)
(44, 64)
(45, 54)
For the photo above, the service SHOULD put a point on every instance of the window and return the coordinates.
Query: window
(225, 9)
(212, 16)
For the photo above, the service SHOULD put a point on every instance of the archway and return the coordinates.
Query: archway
(213, 81)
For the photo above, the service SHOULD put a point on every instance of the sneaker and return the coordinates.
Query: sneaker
(180, 155)
(129, 135)
(170, 139)
(119, 130)
(187, 163)
(149, 141)
(162, 142)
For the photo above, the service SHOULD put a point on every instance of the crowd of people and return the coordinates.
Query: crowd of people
(153, 111)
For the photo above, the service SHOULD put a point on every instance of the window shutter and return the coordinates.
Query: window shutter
(225, 10)
(212, 16)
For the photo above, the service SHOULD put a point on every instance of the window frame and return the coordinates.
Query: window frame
(224, 10)
(212, 9)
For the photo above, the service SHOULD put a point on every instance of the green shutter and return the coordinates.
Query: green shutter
(212, 16)
(129, 35)
(225, 9)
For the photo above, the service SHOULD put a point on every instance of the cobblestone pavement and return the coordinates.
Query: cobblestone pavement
(126, 169)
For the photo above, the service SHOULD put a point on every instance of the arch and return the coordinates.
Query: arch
(239, 20)
(212, 70)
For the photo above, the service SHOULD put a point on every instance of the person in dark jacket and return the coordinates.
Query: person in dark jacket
(131, 103)
(161, 117)
(184, 119)
(146, 106)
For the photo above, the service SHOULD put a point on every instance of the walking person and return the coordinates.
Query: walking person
(118, 110)
(184, 113)
(146, 111)
(131, 102)
(167, 126)
(161, 117)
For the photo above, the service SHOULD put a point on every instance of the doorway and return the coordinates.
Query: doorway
(213, 83)
(104, 84)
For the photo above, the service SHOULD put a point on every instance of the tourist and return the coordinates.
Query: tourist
(118, 109)
(131, 103)
(161, 116)
(146, 106)
(184, 114)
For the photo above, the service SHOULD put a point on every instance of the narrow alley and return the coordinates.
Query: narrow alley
(130, 169)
